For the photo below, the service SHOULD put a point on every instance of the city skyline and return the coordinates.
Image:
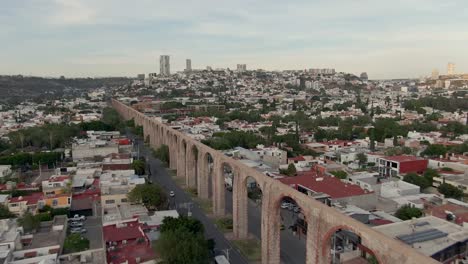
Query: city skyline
(82, 38)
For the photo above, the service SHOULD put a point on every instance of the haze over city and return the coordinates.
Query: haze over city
(387, 39)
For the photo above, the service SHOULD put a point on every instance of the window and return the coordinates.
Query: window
(110, 201)
(13, 205)
(69, 200)
(54, 202)
(124, 200)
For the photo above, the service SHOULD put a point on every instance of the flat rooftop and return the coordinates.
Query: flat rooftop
(428, 235)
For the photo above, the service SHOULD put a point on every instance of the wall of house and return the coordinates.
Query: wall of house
(413, 166)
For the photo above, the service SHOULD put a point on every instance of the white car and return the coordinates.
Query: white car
(285, 205)
(171, 194)
(77, 218)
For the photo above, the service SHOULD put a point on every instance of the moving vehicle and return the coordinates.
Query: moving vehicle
(221, 259)
(171, 194)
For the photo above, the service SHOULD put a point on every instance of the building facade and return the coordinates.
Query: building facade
(164, 65)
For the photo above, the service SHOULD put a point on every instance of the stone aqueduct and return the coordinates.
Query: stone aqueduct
(190, 158)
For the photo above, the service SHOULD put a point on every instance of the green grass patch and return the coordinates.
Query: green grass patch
(250, 248)
(225, 224)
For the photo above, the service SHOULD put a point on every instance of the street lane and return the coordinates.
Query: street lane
(160, 175)
(292, 248)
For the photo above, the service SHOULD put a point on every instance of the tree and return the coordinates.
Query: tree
(362, 158)
(75, 243)
(151, 195)
(5, 213)
(292, 169)
(29, 222)
(450, 191)
(162, 153)
(407, 212)
(339, 174)
(415, 179)
(372, 140)
(435, 150)
(188, 223)
(182, 241)
(182, 247)
(139, 166)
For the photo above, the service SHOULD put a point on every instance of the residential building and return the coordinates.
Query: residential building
(56, 184)
(22, 204)
(93, 149)
(127, 243)
(331, 190)
(393, 166)
(434, 237)
(10, 239)
(45, 245)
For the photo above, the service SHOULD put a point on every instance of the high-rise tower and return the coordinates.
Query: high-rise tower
(164, 65)
(188, 65)
(451, 68)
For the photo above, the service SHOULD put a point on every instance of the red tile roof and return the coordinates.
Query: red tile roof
(299, 158)
(58, 178)
(32, 198)
(137, 245)
(331, 186)
(131, 230)
(460, 212)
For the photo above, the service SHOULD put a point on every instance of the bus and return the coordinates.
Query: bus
(221, 259)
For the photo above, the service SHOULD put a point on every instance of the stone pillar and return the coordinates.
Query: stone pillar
(190, 179)
(173, 152)
(270, 227)
(202, 173)
(240, 206)
(181, 164)
(219, 200)
(314, 241)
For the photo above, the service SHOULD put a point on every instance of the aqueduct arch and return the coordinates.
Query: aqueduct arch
(321, 218)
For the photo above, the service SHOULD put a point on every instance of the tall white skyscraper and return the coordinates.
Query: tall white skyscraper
(188, 65)
(164, 65)
(451, 68)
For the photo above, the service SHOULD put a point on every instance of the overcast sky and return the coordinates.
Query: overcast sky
(387, 39)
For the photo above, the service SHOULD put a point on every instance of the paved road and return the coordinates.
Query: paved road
(160, 175)
(292, 247)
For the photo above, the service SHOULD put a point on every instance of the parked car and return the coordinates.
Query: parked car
(296, 209)
(77, 218)
(171, 194)
(76, 224)
(285, 205)
(291, 206)
(78, 230)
